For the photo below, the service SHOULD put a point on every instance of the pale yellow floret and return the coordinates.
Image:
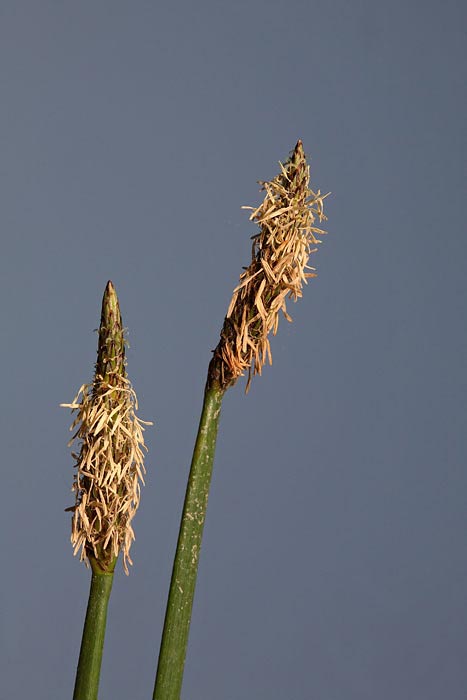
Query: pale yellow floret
(109, 467)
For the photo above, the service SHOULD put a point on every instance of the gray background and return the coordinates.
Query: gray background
(334, 559)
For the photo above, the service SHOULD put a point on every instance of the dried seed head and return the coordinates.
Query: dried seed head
(278, 269)
(109, 466)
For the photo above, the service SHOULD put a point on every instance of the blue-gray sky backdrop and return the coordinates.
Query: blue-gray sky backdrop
(334, 560)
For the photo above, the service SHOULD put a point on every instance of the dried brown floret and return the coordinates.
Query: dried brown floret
(278, 269)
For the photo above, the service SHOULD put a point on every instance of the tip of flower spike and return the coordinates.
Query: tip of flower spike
(111, 349)
(110, 299)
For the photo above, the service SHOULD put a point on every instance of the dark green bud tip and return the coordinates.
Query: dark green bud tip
(111, 348)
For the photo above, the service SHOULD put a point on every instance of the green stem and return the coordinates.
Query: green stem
(182, 586)
(92, 643)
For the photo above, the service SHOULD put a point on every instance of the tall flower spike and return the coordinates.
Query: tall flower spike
(277, 271)
(110, 463)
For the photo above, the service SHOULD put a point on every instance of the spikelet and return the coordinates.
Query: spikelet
(277, 272)
(110, 462)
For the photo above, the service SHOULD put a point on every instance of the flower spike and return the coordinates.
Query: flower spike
(278, 270)
(110, 462)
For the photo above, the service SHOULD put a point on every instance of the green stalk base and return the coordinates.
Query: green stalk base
(172, 654)
(92, 643)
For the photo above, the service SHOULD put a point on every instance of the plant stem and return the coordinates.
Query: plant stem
(182, 586)
(92, 643)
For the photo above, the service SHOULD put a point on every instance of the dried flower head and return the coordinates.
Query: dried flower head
(109, 465)
(278, 269)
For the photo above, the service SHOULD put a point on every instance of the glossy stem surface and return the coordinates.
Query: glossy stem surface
(92, 643)
(172, 654)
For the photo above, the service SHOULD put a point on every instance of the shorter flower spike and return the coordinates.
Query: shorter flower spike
(278, 269)
(110, 463)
